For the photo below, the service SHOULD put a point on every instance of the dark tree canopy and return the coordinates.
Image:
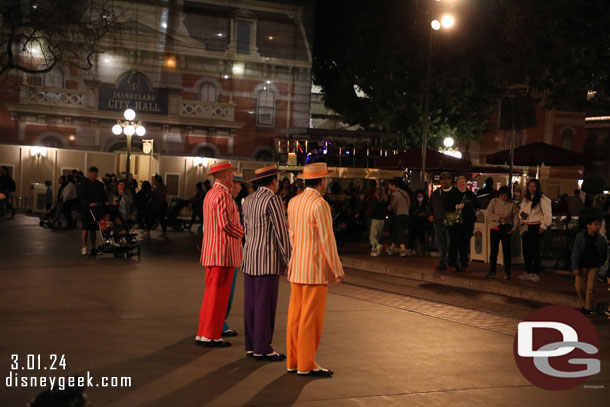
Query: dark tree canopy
(556, 50)
(36, 35)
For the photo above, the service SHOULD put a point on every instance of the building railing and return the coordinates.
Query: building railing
(54, 96)
(207, 110)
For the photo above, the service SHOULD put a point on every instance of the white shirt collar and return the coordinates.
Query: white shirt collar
(218, 183)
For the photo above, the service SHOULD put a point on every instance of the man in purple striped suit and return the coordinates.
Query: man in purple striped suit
(266, 255)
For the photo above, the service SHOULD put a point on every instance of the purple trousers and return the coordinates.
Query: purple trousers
(260, 303)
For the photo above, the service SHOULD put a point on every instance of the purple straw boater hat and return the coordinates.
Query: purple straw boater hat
(265, 172)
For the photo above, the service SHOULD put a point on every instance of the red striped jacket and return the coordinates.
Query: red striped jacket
(222, 230)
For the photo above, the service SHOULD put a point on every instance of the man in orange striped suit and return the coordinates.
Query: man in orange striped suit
(314, 264)
(220, 254)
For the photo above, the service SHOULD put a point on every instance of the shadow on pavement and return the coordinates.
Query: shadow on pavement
(145, 369)
(206, 389)
(283, 391)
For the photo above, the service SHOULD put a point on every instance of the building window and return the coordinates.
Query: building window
(208, 92)
(567, 139)
(265, 109)
(243, 37)
(54, 78)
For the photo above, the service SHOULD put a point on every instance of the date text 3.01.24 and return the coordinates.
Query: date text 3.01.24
(34, 361)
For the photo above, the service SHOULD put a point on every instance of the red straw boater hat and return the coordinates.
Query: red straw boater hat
(315, 170)
(265, 172)
(220, 166)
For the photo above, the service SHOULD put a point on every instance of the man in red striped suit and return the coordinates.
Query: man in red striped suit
(220, 254)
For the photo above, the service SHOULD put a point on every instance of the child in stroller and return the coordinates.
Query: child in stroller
(172, 214)
(117, 239)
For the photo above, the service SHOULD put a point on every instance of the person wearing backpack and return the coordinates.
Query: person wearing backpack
(399, 207)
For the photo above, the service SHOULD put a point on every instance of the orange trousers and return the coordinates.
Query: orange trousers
(305, 320)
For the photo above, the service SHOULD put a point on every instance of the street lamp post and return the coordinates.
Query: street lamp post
(446, 22)
(129, 127)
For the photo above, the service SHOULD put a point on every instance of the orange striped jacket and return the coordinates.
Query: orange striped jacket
(314, 259)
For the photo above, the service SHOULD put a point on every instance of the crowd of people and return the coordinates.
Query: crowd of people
(108, 203)
(415, 221)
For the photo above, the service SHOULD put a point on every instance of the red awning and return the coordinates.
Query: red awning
(538, 153)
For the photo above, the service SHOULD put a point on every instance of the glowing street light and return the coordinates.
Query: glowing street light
(448, 142)
(128, 127)
(447, 21)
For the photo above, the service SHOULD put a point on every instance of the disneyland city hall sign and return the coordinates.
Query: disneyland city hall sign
(133, 92)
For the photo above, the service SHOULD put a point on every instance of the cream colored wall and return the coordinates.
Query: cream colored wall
(29, 168)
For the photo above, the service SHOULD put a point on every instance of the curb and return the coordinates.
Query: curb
(470, 282)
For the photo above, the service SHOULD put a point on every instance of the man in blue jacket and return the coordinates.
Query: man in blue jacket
(589, 254)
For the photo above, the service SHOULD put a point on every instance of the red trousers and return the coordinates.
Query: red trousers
(218, 282)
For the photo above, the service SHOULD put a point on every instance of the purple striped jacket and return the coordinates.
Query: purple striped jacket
(267, 248)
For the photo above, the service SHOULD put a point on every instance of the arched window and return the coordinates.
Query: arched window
(265, 108)
(208, 92)
(54, 78)
(567, 138)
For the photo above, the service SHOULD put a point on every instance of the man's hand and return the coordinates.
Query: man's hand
(2, 196)
(541, 231)
(503, 220)
(340, 279)
(431, 219)
(459, 206)
(92, 204)
(576, 272)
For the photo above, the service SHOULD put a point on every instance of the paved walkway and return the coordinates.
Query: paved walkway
(116, 317)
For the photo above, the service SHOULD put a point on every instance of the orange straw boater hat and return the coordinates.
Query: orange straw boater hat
(220, 166)
(315, 170)
(265, 172)
(238, 177)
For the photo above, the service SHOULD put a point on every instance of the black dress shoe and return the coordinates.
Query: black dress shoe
(318, 373)
(215, 344)
(276, 357)
(491, 275)
(229, 333)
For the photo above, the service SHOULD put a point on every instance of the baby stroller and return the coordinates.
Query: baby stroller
(173, 211)
(115, 242)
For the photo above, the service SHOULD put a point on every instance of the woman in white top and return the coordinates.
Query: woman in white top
(536, 216)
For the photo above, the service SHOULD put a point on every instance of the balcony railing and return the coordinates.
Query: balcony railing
(207, 110)
(54, 97)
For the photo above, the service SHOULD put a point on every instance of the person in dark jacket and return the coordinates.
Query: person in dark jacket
(160, 191)
(589, 254)
(92, 197)
(436, 208)
(419, 222)
(464, 200)
(148, 207)
(7, 187)
(197, 205)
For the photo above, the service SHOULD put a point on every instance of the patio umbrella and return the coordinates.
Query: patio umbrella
(536, 154)
(412, 160)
